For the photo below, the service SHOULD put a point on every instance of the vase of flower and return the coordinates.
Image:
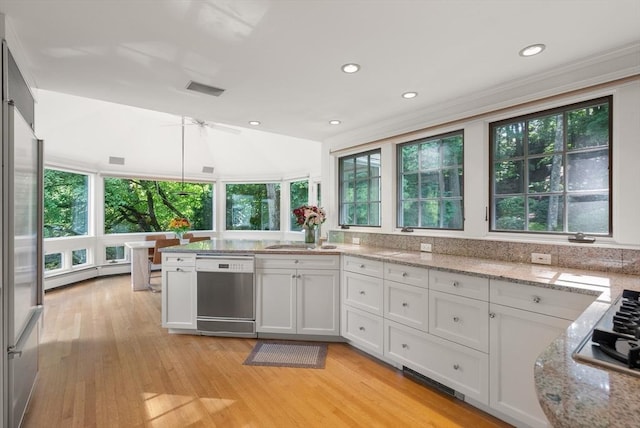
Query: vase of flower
(179, 225)
(310, 218)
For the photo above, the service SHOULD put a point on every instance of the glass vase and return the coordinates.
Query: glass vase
(310, 235)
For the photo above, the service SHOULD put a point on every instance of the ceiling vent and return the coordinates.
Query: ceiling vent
(207, 169)
(114, 160)
(204, 89)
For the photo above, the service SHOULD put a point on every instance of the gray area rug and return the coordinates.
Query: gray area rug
(288, 354)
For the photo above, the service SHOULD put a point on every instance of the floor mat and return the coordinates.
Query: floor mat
(288, 354)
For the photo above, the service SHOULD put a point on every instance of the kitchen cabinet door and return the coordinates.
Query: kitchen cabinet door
(179, 294)
(517, 338)
(318, 302)
(276, 300)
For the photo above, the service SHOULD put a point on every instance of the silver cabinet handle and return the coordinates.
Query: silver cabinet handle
(296, 261)
(405, 346)
(362, 266)
(456, 319)
(456, 284)
(456, 366)
(293, 275)
(298, 276)
(361, 328)
(492, 315)
(178, 259)
(178, 270)
(404, 274)
(405, 304)
(536, 299)
(362, 292)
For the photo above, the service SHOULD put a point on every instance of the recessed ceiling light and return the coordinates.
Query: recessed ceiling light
(532, 50)
(409, 95)
(350, 68)
(254, 123)
(334, 122)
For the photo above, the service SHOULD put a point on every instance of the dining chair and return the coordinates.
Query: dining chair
(199, 238)
(157, 256)
(153, 238)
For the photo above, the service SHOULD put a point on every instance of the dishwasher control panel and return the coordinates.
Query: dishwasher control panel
(224, 264)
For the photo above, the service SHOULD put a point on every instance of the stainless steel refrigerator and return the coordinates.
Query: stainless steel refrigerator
(21, 256)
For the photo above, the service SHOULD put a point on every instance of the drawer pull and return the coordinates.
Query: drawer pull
(178, 270)
(404, 274)
(456, 284)
(362, 292)
(456, 319)
(405, 304)
(536, 299)
(362, 266)
(179, 259)
(296, 261)
(361, 328)
(405, 346)
(492, 315)
(456, 366)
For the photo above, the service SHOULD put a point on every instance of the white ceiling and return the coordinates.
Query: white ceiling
(279, 60)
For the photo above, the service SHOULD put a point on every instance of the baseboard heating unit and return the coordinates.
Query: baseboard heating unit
(427, 381)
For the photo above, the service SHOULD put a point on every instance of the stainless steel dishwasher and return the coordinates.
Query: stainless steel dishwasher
(226, 295)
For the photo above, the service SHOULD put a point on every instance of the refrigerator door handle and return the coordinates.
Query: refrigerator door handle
(15, 351)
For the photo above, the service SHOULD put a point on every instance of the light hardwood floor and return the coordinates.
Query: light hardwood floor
(105, 361)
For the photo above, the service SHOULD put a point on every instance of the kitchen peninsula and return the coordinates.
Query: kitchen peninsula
(571, 393)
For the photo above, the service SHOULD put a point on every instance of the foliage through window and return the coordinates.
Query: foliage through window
(550, 171)
(298, 196)
(431, 182)
(134, 205)
(360, 189)
(253, 206)
(66, 203)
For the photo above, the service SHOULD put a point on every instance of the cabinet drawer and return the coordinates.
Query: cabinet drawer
(557, 303)
(365, 330)
(406, 304)
(363, 266)
(362, 291)
(463, 369)
(178, 259)
(407, 274)
(462, 285)
(459, 319)
(297, 261)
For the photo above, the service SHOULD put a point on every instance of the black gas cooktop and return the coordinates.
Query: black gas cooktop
(615, 340)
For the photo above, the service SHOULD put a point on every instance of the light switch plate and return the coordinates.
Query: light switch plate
(540, 258)
(425, 247)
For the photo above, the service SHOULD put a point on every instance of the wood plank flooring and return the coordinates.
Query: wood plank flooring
(105, 361)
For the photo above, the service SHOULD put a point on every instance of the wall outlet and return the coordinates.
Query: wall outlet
(540, 258)
(425, 247)
(355, 241)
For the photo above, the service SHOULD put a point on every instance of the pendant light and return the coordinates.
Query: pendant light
(182, 192)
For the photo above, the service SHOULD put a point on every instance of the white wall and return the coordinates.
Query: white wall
(625, 148)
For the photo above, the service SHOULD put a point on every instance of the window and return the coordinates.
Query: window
(360, 189)
(52, 261)
(550, 171)
(298, 196)
(114, 253)
(66, 203)
(79, 257)
(431, 182)
(134, 205)
(253, 206)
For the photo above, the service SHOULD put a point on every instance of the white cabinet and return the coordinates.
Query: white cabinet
(362, 303)
(524, 320)
(406, 304)
(458, 367)
(179, 291)
(300, 295)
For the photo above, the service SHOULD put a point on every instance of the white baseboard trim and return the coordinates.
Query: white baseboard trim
(84, 274)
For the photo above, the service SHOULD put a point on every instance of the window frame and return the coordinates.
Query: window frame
(441, 198)
(564, 109)
(89, 201)
(341, 190)
(279, 200)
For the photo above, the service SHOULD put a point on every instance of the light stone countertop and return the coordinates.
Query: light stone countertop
(571, 393)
